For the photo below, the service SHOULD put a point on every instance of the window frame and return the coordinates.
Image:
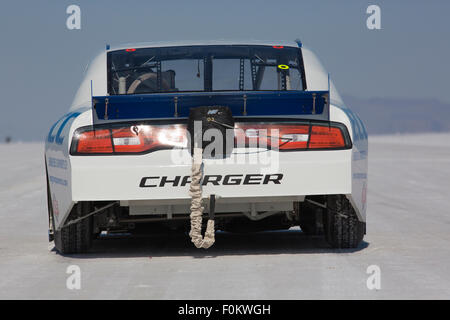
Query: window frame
(207, 68)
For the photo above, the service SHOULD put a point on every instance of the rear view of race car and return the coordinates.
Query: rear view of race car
(228, 136)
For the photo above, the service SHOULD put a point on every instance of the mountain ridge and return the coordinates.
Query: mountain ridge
(401, 115)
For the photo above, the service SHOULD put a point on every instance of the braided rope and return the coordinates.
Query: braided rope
(195, 191)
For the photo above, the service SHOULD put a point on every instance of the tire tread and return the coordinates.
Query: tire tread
(343, 229)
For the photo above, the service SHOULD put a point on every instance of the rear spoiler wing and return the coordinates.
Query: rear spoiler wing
(314, 105)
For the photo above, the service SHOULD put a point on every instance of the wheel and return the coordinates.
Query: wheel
(77, 237)
(342, 227)
(51, 222)
(310, 219)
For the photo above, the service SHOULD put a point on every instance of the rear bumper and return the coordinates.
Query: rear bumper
(105, 178)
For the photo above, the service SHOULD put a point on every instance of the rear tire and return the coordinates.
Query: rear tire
(76, 238)
(342, 227)
(310, 219)
(51, 221)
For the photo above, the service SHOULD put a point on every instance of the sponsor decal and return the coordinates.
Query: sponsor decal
(62, 182)
(57, 163)
(359, 131)
(58, 138)
(360, 175)
(216, 180)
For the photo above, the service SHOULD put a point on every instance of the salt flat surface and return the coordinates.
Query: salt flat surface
(408, 238)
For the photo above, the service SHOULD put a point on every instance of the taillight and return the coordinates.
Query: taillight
(324, 137)
(98, 141)
(285, 137)
(130, 139)
(135, 139)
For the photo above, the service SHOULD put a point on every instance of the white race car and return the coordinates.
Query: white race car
(252, 135)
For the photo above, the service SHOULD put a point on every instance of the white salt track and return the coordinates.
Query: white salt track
(408, 238)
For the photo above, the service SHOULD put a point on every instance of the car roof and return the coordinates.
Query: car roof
(158, 44)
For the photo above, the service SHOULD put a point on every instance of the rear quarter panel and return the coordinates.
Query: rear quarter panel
(57, 161)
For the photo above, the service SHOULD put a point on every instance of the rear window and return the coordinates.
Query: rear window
(205, 68)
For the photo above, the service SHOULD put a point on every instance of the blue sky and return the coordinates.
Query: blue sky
(42, 62)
